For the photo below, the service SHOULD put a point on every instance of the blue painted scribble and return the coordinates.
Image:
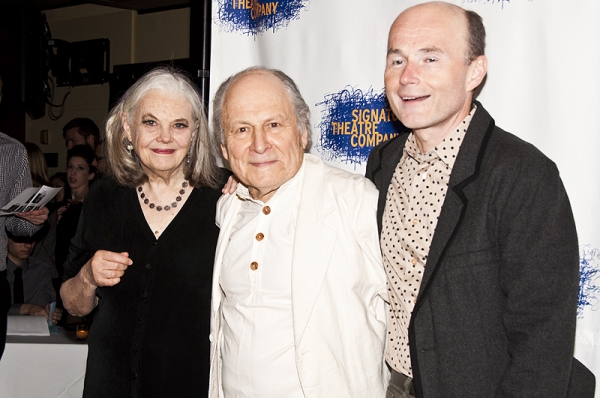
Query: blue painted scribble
(353, 122)
(501, 2)
(251, 17)
(589, 271)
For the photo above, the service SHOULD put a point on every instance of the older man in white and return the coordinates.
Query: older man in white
(299, 287)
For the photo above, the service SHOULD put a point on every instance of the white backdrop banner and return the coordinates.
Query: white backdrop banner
(543, 85)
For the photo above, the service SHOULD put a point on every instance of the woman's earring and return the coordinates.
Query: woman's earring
(129, 146)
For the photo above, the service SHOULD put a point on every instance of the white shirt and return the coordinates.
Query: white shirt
(258, 353)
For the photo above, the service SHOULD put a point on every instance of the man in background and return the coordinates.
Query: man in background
(81, 131)
(100, 159)
(30, 280)
(478, 238)
(14, 178)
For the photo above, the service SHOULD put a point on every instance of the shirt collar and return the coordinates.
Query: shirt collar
(11, 266)
(447, 150)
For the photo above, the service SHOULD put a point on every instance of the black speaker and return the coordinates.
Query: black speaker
(124, 76)
(51, 159)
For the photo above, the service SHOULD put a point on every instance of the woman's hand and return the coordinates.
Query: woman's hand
(231, 185)
(103, 269)
(60, 211)
(106, 268)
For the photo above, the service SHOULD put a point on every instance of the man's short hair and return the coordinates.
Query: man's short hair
(301, 109)
(476, 39)
(86, 128)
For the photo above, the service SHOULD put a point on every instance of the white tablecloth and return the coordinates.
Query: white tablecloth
(43, 367)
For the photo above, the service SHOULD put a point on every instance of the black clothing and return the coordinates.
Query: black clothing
(65, 231)
(4, 307)
(497, 307)
(150, 333)
(18, 295)
(36, 283)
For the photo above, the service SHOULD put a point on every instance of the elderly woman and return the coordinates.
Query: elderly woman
(144, 249)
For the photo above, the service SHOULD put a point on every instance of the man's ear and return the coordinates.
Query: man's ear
(304, 139)
(90, 141)
(224, 152)
(477, 72)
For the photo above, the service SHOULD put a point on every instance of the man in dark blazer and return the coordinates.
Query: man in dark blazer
(476, 230)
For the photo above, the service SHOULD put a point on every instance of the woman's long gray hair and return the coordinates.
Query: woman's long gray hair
(124, 165)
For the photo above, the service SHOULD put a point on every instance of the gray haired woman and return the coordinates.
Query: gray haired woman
(144, 249)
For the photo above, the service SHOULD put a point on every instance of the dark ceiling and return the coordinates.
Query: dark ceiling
(142, 6)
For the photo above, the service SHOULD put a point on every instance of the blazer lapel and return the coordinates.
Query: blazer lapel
(313, 247)
(464, 172)
(388, 156)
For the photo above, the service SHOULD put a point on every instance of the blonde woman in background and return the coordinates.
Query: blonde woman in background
(37, 165)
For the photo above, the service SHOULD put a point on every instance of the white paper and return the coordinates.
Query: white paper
(27, 325)
(29, 199)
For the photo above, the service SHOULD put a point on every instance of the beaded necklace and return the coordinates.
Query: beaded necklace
(166, 207)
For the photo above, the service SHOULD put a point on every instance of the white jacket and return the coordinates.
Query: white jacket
(338, 286)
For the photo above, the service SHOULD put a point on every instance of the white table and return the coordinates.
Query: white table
(43, 366)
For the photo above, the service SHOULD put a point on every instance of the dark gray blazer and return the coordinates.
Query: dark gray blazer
(496, 311)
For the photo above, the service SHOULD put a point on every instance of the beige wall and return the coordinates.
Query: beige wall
(133, 38)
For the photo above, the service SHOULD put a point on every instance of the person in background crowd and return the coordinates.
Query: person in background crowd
(59, 180)
(37, 165)
(14, 178)
(45, 247)
(30, 280)
(478, 238)
(298, 304)
(80, 174)
(100, 158)
(81, 131)
(144, 250)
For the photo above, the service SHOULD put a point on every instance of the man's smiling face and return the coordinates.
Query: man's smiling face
(427, 79)
(263, 142)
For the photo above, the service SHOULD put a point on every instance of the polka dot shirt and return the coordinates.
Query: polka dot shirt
(414, 200)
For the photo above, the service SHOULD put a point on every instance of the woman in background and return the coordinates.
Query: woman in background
(80, 174)
(144, 251)
(37, 165)
(45, 239)
(59, 180)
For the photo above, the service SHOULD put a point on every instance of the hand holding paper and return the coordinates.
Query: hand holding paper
(36, 217)
(29, 200)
